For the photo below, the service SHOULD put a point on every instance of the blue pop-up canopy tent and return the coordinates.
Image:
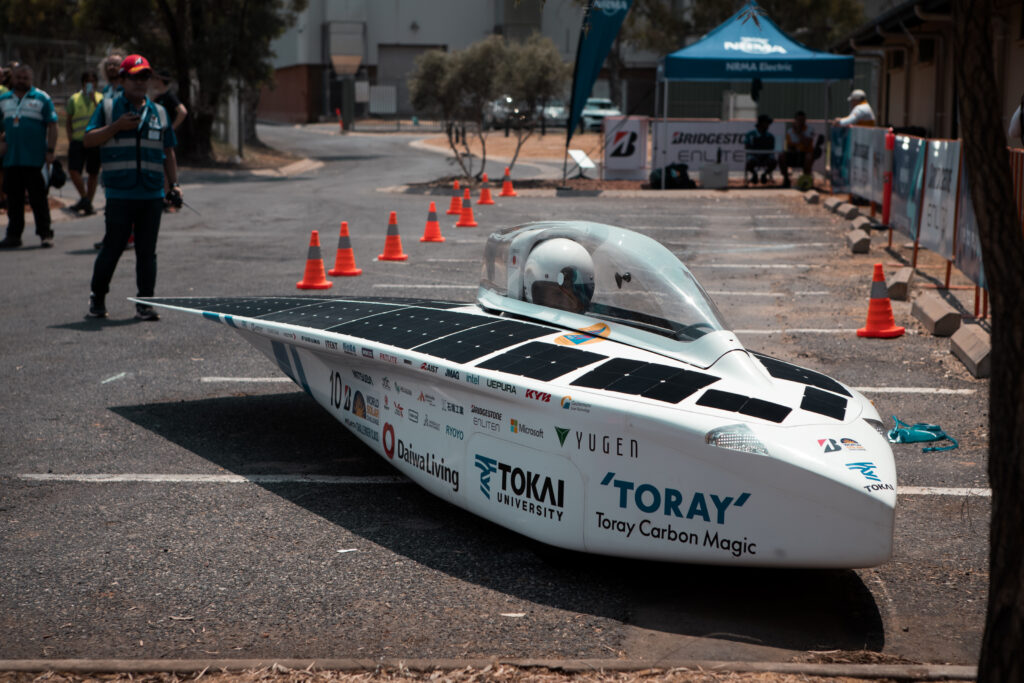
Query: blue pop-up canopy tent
(749, 45)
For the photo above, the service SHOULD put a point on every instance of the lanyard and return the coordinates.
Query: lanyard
(17, 110)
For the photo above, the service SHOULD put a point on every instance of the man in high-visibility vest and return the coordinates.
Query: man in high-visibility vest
(136, 143)
(80, 108)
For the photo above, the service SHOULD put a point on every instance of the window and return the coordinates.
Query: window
(926, 50)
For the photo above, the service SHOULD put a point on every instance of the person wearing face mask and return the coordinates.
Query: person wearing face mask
(80, 108)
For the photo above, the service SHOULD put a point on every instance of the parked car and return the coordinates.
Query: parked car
(595, 110)
(505, 110)
(555, 113)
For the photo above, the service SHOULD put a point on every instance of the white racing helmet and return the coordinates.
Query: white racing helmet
(559, 273)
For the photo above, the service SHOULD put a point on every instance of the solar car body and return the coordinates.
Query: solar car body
(638, 427)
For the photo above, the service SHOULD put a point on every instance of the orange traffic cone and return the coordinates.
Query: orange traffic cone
(506, 186)
(455, 208)
(485, 192)
(344, 258)
(314, 277)
(880, 322)
(393, 242)
(466, 219)
(432, 230)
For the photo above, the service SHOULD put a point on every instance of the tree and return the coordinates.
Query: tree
(1002, 245)
(534, 74)
(210, 46)
(433, 90)
(460, 87)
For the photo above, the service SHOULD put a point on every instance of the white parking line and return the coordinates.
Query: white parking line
(915, 390)
(940, 491)
(254, 380)
(116, 377)
(729, 292)
(392, 285)
(799, 330)
(140, 478)
(210, 478)
(752, 266)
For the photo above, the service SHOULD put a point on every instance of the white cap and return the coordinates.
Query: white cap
(857, 95)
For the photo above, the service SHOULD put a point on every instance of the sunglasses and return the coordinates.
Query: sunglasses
(143, 76)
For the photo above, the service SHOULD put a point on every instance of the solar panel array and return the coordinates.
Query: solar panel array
(538, 360)
(650, 380)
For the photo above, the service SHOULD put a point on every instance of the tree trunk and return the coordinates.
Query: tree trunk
(250, 103)
(986, 163)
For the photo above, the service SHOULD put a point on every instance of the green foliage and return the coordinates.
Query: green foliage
(817, 24)
(662, 26)
(534, 72)
(474, 75)
(205, 44)
(43, 18)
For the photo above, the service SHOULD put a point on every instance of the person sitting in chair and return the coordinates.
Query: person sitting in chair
(760, 146)
(800, 151)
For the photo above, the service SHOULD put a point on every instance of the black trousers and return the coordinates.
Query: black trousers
(122, 217)
(18, 179)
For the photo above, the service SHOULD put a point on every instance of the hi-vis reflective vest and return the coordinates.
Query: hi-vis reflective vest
(134, 157)
(80, 108)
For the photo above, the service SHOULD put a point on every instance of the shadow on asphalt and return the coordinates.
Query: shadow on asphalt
(289, 433)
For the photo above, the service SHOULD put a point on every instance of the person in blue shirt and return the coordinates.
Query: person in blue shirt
(760, 147)
(30, 135)
(136, 142)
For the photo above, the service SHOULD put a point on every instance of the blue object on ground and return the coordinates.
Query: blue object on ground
(919, 433)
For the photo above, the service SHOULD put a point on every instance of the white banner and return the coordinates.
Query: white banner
(696, 143)
(625, 147)
(867, 162)
(942, 178)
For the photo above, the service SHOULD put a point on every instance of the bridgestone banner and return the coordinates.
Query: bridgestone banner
(867, 161)
(942, 180)
(907, 177)
(968, 244)
(625, 147)
(696, 143)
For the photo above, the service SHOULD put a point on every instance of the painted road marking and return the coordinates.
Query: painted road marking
(138, 478)
(800, 330)
(255, 380)
(727, 292)
(116, 377)
(752, 266)
(392, 285)
(915, 390)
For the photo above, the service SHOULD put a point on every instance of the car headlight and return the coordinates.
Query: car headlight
(878, 426)
(736, 438)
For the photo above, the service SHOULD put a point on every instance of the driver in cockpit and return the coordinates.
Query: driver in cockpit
(559, 273)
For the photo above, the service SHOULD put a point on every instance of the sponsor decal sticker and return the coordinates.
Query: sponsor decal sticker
(502, 386)
(670, 502)
(449, 407)
(587, 335)
(429, 463)
(568, 403)
(328, 344)
(603, 444)
(829, 445)
(851, 445)
(517, 427)
(362, 377)
(454, 433)
(388, 440)
(538, 395)
(387, 357)
(532, 492)
(350, 349)
(562, 433)
(414, 416)
(472, 379)
(367, 353)
(428, 367)
(451, 374)
(427, 398)
(310, 340)
(868, 470)
(361, 429)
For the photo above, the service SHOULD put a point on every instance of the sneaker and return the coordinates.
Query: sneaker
(77, 206)
(785, 181)
(87, 208)
(9, 243)
(144, 312)
(764, 178)
(47, 242)
(97, 306)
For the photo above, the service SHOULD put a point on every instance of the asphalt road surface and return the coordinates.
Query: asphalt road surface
(125, 530)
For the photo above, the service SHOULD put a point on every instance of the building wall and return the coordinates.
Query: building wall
(295, 96)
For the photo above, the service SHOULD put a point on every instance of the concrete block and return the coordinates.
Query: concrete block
(832, 203)
(812, 197)
(898, 283)
(973, 347)
(858, 241)
(863, 223)
(847, 211)
(936, 314)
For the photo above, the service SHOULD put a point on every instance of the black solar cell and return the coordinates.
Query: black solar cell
(410, 327)
(328, 314)
(723, 400)
(247, 306)
(824, 403)
(473, 343)
(541, 361)
(794, 373)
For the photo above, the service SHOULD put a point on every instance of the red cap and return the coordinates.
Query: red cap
(133, 64)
